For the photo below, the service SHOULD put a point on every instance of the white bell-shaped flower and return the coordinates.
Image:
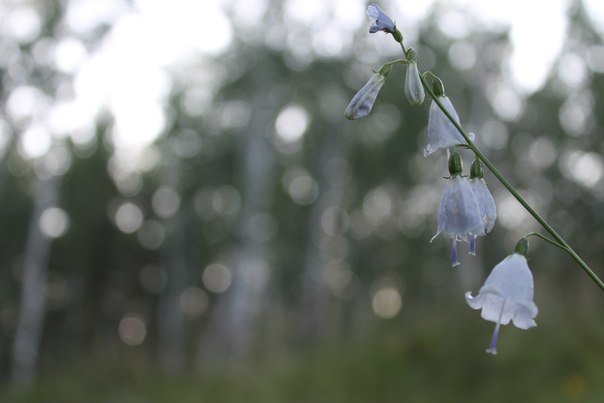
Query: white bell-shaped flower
(458, 214)
(486, 203)
(441, 131)
(382, 21)
(507, 295)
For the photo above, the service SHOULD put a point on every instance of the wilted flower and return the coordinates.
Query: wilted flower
(441, 131)
(414, 89)
(486, 204)
(362, 103)
(506, 295)
(382, 22)
(458, 215)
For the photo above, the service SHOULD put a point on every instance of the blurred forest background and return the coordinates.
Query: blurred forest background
(188, 217)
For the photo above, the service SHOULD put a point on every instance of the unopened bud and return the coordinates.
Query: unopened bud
(362, 103)
(414, 89)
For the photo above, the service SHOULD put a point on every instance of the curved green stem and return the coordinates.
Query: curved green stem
(398, 61)
(551, 241)
(564, 245)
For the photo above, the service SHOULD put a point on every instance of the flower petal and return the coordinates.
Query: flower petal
(486, 203)
(474, 302)
(512, 279)
(458, 214)
(492, 309)
(441, 132)
(523, 316)
(382, 21)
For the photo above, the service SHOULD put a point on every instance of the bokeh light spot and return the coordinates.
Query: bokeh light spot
(165, 202)
(128, 218)
(584, 168)
(54, 222)
(462, 55)
(300, 186)
(22, 24)
(217, 277)
(132, 330)
(291, 123)
(193, 302)
(35, 141)
(387, 302)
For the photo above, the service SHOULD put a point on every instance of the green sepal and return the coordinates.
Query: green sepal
(476, 170)
(396, 34)
(455, 164)
(411, 55)
(385, 69)
(522, 246)
(438, 87)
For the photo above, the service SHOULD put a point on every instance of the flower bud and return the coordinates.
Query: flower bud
(362, 103)
(414, 89)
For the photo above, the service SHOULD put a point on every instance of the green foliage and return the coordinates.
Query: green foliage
(419, 359)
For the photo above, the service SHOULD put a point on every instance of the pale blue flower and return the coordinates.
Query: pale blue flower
(382, 22)
(441, 132)
(506, 295)
(486, 206)
(459, 215)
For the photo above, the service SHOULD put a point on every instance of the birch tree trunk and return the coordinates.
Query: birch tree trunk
(326, 251)
(31, 315)
(171, 318)
(232, 328)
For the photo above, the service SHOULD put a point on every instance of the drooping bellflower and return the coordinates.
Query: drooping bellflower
(458, 214)
(486, 204)
(414, 89)
(382, 21)
(507, 294)
(362, 103)
(441, 131)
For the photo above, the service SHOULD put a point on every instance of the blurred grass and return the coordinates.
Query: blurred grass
(416, 358)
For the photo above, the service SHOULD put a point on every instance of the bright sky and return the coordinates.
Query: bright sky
(130, 72)
(537, 30)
